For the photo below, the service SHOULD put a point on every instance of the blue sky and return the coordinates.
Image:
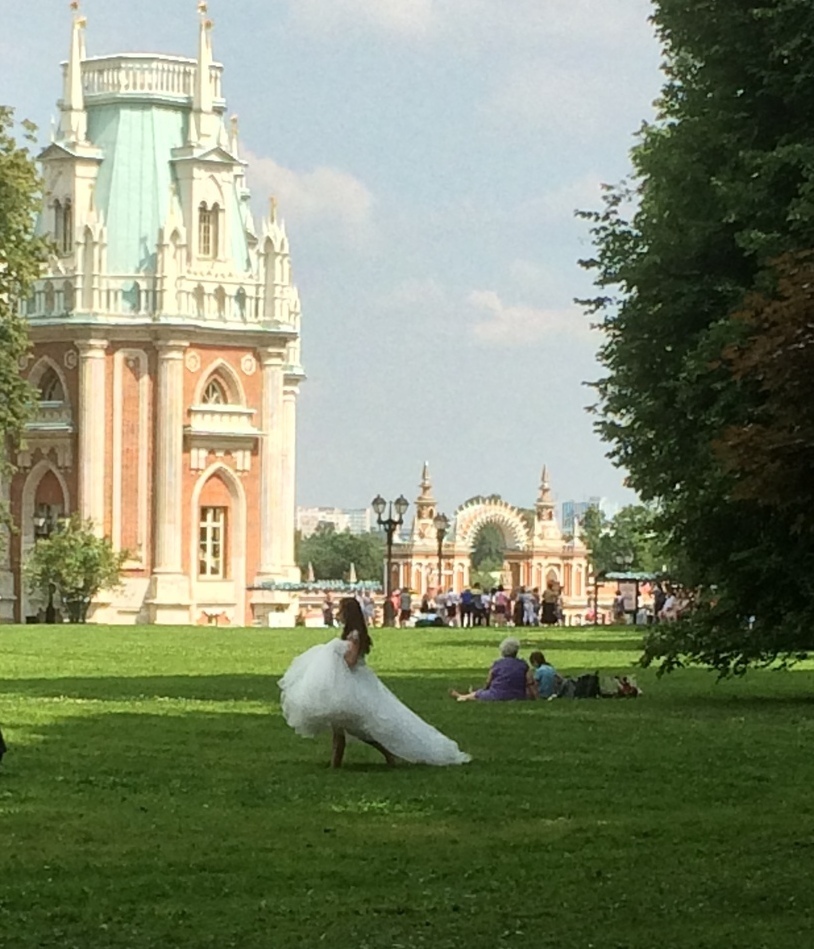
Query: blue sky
(427, 156)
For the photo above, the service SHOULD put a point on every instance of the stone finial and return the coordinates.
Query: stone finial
(74, 121)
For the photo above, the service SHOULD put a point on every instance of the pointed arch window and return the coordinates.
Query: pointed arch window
(200, 299)
(208, 227)
(58, 223)
(68, 296)
(215, 393)
(220, 300)
(67, 227)
(50, 298)
(212, 543)
(50, 387)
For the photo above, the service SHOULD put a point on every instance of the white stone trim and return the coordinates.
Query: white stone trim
(92, 431)
(229, 593)
(221, 367)
(169, 447)
(27, 539)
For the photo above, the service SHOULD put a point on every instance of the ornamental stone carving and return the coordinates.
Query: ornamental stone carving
(192, 360)
(248, 364)
(70, 359)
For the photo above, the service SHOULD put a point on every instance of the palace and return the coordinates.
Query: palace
(165, 350)
(536, 551)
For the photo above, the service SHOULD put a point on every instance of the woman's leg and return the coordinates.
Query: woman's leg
(463, 696)
(338, 749)
(388, 757)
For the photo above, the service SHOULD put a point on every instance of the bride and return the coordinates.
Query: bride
(330, 686)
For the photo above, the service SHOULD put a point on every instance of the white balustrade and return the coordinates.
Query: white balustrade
(139, 76)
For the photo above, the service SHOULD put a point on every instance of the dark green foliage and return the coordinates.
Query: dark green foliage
(488, 549)
(331, 552)
(21, 258)
(725, 185)
(76, 565)
(630, 540)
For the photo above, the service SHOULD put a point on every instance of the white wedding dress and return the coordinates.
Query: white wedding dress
(320, 691)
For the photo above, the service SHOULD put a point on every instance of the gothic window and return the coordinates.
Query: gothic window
(214, 393)
(67, 227)
(50, 387)
(58, 222)
(212, 543)
(50, 298)
(220, 299)
(68, 296)
(240, 299)
(208, 229)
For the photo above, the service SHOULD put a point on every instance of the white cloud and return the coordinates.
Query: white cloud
(323, 196)
(407, 18)
(520, 325)
(479, 24)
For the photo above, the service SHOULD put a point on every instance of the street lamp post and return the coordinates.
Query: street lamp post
(389, 524)
(441, 524)
(44, 526)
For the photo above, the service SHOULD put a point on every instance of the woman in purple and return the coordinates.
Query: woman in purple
(509, 678)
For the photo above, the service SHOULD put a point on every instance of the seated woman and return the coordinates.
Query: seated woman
(509, 678)
(544, 674)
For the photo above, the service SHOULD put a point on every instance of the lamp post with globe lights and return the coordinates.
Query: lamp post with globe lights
(389, 524)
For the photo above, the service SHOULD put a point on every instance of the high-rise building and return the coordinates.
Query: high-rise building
(166, 348)
(571, 510)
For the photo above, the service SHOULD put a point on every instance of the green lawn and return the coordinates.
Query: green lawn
(154, 797)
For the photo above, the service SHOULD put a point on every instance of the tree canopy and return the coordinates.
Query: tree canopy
(630, 540)
(76, 565)
(331, 552)
(22, 255)
(722, 187)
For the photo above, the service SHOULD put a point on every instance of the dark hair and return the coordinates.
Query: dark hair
(538, 658)
(354, 619)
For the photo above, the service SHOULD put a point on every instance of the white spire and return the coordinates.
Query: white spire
(207, 124)
(74, 122)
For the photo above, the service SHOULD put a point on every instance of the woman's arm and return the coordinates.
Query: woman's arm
(532, 691)
(352, 652)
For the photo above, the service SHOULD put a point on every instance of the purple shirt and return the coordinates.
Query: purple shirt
(508, 681)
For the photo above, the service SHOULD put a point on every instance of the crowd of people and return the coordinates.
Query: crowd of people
(476, 606)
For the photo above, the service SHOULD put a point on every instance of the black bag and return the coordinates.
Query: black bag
(587, 686)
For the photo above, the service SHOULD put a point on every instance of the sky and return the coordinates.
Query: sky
(427, 157)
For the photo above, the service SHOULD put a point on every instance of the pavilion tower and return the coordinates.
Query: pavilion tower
(166, 346)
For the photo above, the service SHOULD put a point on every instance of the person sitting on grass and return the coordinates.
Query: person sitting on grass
(509, 678)
(545, 675)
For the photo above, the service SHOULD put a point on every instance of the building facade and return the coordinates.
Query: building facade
(166, 349)
(535, 551)
(360, 520)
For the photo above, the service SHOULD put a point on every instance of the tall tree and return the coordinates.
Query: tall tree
(723, 183)
(331, 552)
(22, 254)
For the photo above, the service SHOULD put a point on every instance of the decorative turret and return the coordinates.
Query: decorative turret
(206, 126)
(425, 508)
(73, 126)
(546, 527)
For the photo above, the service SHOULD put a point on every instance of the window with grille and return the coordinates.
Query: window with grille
(208, 230)
(214, 393)
(212, 543)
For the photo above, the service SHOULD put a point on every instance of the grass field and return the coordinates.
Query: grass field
(154, 797)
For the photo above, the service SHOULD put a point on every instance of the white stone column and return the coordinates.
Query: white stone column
(169, 454)
(289, 464)
(271, 465)
(92, 431)
(170, 594)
